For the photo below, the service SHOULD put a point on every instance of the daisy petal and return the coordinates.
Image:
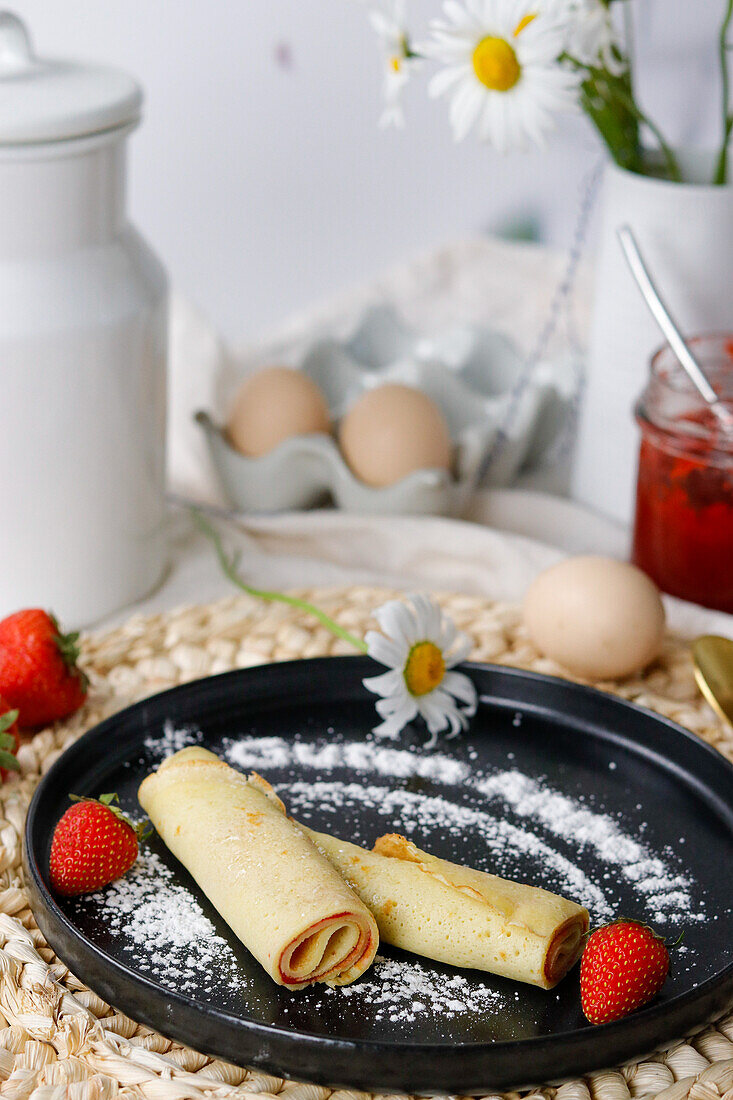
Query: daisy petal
(460, 651)
(436, 718)
(386, 684)
(393, 617)
(400, 711)
(463, 688)
(421, 613)
(384, 649)
(448, 633)
(389, 730)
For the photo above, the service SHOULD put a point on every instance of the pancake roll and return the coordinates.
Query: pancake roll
(277, 892)
(460, 916)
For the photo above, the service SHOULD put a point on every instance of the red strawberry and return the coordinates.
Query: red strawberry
(93, 844)
(38, 672)
(8, 740)
(624, 965)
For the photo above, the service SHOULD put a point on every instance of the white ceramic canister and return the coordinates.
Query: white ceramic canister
(83, 334)
(685, 233)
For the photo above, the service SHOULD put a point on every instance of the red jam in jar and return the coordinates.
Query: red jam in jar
(683, 531)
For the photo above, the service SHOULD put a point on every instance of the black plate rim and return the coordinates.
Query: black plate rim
(59, 923)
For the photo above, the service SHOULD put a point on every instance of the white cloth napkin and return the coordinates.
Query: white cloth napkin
(411, 553)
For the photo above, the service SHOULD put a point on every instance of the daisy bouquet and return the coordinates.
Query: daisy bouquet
(508, 67)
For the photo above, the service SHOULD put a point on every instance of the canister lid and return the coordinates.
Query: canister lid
(49, 100)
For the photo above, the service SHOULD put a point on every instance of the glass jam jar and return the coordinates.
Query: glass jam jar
(683, 531)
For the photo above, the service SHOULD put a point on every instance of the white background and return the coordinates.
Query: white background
(259, 173)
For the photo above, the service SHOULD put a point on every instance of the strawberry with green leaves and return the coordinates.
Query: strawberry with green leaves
(39, 675)
(624, 965)
(93, 844)
(8, 740)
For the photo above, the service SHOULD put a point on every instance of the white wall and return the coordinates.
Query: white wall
(264, 185)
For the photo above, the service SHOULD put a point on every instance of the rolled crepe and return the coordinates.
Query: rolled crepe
(460, 916)
(281, 896)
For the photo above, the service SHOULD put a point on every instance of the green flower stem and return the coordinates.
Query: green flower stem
(617, 126)
(609, 101)
(721, 171)
(229, 568)
(631, 106)
(673, 168)
(630, 44)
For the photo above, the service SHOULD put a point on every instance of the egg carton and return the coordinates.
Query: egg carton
(468, 371)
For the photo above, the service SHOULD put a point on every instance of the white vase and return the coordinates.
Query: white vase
(685, 233)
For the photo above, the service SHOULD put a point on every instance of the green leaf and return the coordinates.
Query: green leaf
(8, 719)
(7, 741)
(68, 647)
(7, 760)
(108, 799)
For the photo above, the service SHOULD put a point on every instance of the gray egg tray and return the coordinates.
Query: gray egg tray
(469, 372)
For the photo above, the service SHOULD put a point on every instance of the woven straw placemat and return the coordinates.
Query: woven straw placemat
(59, 1040)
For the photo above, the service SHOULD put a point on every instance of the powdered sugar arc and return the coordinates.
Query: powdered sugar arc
(357, 756)
(666, 893)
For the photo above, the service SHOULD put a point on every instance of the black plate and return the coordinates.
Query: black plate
(555, 784)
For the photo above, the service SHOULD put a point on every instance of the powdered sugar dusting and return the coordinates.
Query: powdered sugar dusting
(163, 926)
(403, 991)
(173, 739)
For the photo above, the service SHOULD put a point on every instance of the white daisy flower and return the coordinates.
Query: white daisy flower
(593, 39)
(422, 646)
(503, 69)
(399, 60)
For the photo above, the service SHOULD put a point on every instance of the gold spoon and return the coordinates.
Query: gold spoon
(713, 658)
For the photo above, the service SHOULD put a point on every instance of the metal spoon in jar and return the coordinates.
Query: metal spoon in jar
(670, 330)
(713, 659)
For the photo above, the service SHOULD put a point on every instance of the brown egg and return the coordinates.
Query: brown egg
(273, 405)
(392, 431)
(599, 618)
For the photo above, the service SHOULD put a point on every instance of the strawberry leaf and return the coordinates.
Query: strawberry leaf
(7, 741)
(141, 830)
(69, 649)
(7, 720)
(7, 760)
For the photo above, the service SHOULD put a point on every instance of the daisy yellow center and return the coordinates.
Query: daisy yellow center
(395, 63)
(495, 64)
(424, 669)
